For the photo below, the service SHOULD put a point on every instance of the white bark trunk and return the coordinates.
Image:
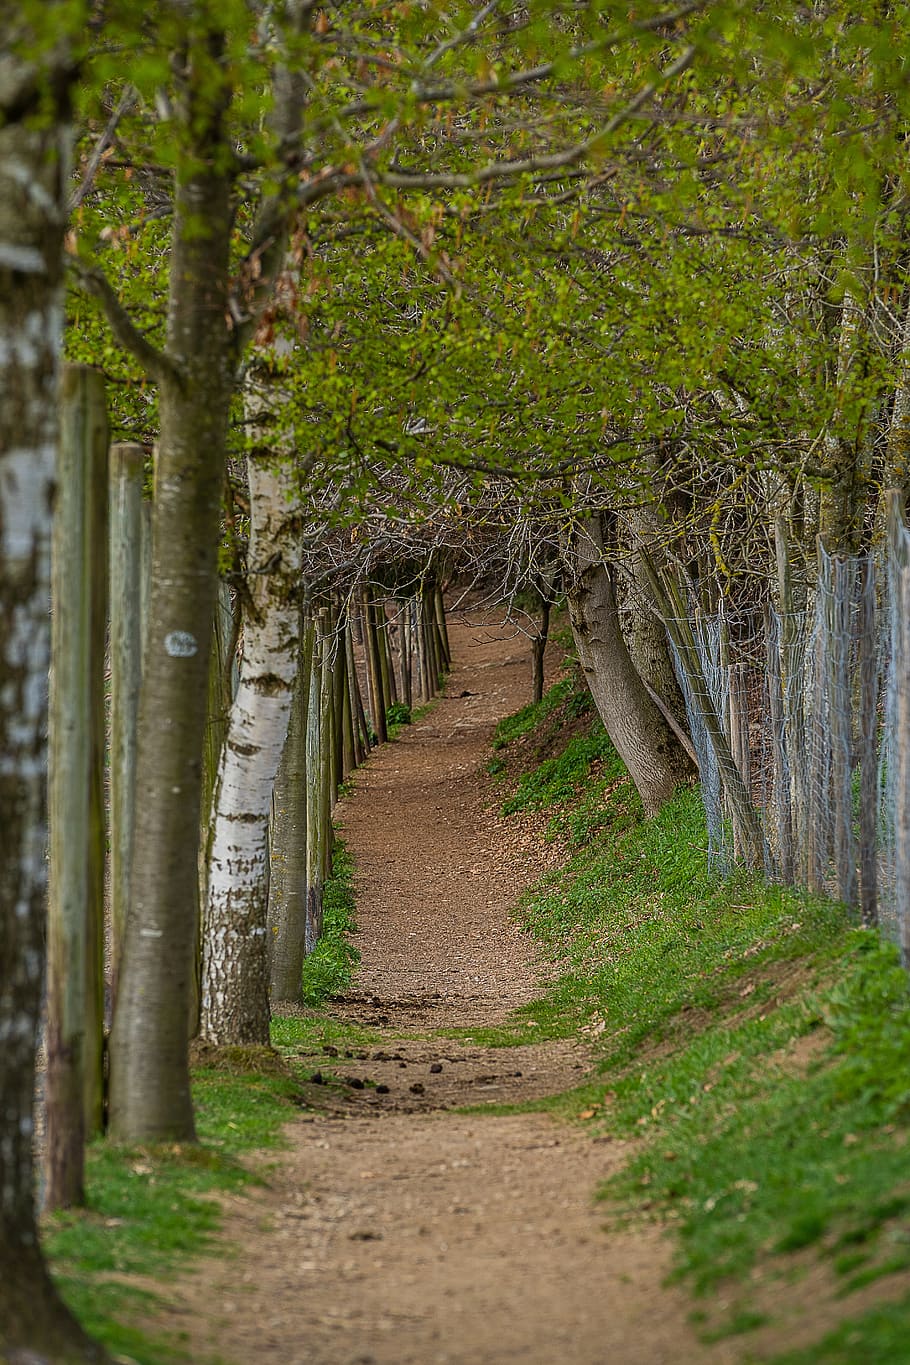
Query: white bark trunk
(235, 974)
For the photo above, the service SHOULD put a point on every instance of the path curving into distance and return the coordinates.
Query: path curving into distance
(394, 1230)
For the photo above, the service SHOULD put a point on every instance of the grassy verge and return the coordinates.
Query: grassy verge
(753, 1041)
(150, 1210)
(327, 972)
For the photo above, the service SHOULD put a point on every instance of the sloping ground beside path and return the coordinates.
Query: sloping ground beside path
(393, 1231)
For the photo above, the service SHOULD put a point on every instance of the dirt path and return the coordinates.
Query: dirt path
(393, 1231)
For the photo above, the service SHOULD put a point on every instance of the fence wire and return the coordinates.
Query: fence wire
(811, 708)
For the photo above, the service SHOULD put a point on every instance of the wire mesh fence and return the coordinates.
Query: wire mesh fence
(800, 718)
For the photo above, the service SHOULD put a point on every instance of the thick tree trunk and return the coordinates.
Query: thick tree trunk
(34, 1324)
(643, 630)
(150, 1091)
(656, 760)
(235, 966)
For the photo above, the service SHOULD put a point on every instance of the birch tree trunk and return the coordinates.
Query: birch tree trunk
(235, 963)
(34, 160)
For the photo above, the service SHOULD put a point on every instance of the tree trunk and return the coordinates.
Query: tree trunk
(288, 843)
(404, 652)
(358, 718)
(327, 785)
(223, 678)
(844, 493)
(34, 148)
(235, 968)
(643, 630)
(150, 1090)
(539, 648)
(439, 608)
(656, 760)
(315, 742)
(75, 994)
(371, 647)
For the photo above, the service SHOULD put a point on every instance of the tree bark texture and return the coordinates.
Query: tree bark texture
(150, 1090)
(656, 760)
(34, 160)
(75, 990)
(235, 965)
(643, 630)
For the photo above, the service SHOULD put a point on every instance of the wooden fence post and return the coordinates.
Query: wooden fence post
(314, 747)
(840, 724)
(404, 652)
(126, 531)
(868, 748)
(900, 747)
(781, 787)
(287, 913)
(76, 783)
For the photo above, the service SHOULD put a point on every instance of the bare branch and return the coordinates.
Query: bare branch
(512, 169)
(124, 105)
(94, 281)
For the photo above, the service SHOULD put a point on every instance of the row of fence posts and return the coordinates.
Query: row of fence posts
(804, 710)
(100, 573)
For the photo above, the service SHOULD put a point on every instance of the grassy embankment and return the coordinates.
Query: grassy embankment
(753, 1040)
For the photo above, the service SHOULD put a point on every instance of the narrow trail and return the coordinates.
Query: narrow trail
(393, 1231)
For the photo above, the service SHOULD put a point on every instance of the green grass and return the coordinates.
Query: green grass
(150, 1209)
(327, 971)
(564, 696)
(878, 1337)
(753, 1039)
(314, 1030)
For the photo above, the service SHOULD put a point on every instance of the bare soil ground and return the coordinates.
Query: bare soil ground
(392, 1230)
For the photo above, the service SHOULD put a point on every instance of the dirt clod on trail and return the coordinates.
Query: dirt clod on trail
(394, 1231)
